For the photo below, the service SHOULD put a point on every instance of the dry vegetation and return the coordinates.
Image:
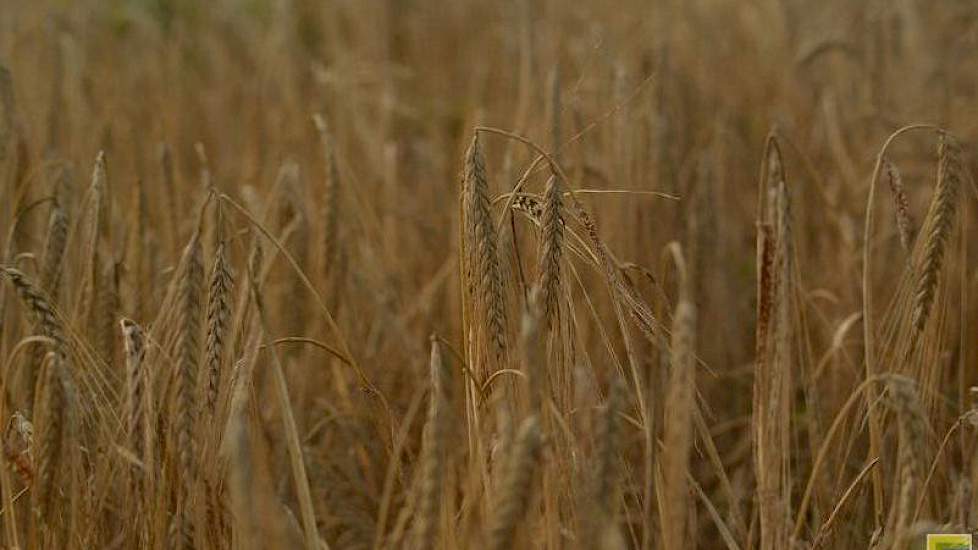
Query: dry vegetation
(517, 274)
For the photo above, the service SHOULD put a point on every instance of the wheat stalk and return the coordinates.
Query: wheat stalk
(299, 475)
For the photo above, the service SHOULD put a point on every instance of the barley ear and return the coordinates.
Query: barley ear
(516, 490)
(940, 224)
(904, 219)
(433, 458)
(6, 113)
(218, 324)
(484, 271)
(911, 455)
(679, 410)
(187, 367)
(551, 250)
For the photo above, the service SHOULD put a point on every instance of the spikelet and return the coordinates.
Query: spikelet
(136, 417)
(50, 282)
(98, 190)
(187, 366)
(54, 419)
(6, 113)
(205, 166)
(43, 316)
(241, 483)
(911, 456)
(218, 323)
(772, 377)
(54, 252)
(94, 299)
(433, 460)
(136, 414)
(904, 220)
(38, 307)
(603, 522)
(551, 250)
(331, 197)
(531, 206)
(105, 310)
(517, 485)
(484, 273)
(940, 223)
(678, 428)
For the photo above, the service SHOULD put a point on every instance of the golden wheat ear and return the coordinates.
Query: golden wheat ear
(435, 447)
(517, 486)
(941, 216)
(484, 271)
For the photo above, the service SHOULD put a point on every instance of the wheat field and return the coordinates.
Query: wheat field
(383, 274)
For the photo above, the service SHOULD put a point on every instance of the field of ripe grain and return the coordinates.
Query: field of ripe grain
(510, 274)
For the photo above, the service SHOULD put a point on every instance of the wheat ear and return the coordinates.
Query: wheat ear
(433, 460)
(941, 216)
(904, 220)
(218, 323)
(187, 366)
(483, 266)
(551, 250)
(517, 485)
